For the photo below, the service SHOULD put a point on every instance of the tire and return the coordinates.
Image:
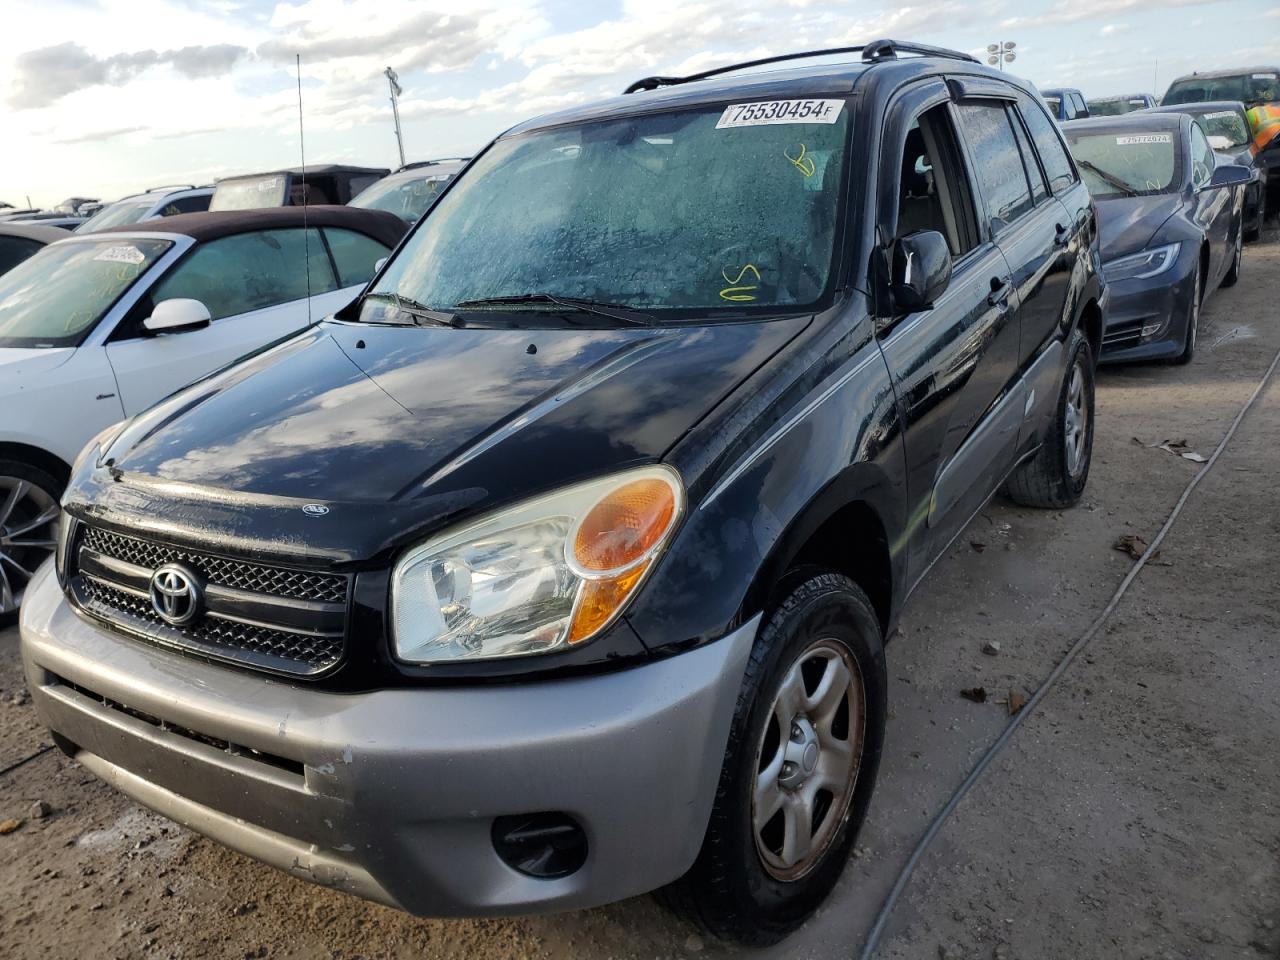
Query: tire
(746, 886)
(1056, 476)
(28, 527)
(1193, 322)
(1233, 275)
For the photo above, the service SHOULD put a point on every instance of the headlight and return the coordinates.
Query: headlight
(539, 577)
(1140, 266)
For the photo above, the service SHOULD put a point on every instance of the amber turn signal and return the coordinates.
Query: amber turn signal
(624, 527)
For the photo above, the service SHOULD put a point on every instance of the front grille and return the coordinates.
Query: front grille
(296, 584)
(271, 618)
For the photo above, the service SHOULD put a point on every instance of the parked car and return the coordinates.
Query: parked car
(1227, 126)
(1252, 86)
(331, 184)
(1118, 106)
(410, 190)
(71, 206)
(46, 218)
(558, 566)
(98, 327)
(1065, 103)
(18, 241)
(1171, 217)
(149, 205)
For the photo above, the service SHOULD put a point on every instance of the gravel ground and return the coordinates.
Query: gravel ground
(1134, 815)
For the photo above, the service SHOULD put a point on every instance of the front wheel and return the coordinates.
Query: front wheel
(1056, 476)
(798, 770)
(28, 529)
(1193, 324)
(1233, 275)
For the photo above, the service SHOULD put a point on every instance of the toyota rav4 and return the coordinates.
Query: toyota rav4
(557, 568)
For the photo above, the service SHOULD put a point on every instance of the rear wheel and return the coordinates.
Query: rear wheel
(28, 529)
(1056, 476)
(798, 770)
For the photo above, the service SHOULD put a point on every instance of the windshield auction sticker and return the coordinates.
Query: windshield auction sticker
(121, 254)
(780, 111)
(1144, 138)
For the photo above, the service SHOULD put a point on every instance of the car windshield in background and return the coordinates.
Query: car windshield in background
(57, 297)
(253, 193)
(1249, 88)
(1125, 163)
(407, 199)
(728, 208)
(1054, 104)
(1228, 124)
(116, 215)
(1115, 108)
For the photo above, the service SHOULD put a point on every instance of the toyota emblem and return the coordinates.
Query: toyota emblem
(175, 594)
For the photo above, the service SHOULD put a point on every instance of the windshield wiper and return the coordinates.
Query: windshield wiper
(614, 311)
(419, 311)
(1111, 178)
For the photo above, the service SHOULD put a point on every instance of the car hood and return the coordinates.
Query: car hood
(1127, 224)
(394, 429)
(19, 364)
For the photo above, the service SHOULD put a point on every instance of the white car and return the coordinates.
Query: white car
(97, 328)
(156, 202)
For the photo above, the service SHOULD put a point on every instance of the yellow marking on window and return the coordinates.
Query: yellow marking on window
(804, 163)
(738, 292)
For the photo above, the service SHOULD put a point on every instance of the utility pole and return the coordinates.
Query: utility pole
(394, 81)
(1001, 53)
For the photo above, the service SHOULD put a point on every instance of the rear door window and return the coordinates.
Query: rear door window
(1006, 194)
(354, 255)
(250, 271)
(1039, 188)
(1044, 133)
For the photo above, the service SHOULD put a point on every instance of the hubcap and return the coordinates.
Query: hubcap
(808, 758)
(28, 517)
(1076, 420)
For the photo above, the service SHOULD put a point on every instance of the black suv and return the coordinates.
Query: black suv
(557, 568)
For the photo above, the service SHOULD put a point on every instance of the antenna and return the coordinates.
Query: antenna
(302, 149)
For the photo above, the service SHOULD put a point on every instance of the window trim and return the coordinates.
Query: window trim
(1038, 104)
(1017, 122)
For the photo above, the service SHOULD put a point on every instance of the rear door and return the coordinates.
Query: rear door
(1214, 207)
(255, 286)
(951, 364)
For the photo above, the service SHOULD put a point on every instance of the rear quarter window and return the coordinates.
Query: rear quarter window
(1044, 133)
(354, 254)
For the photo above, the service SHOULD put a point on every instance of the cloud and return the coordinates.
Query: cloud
(1074, 11)
(97, 135)
(1111, 29)
(44, 76)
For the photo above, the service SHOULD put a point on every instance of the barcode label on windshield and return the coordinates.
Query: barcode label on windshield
(780, 111)
(1264, 76)
(122, 254)
(1144, 138)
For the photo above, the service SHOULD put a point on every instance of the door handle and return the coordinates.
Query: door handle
(1061, 235)
(999, 292)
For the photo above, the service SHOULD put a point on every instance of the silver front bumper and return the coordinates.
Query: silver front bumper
(391, 794)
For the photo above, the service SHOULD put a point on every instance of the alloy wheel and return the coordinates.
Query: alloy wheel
(1076, 420)
(28, 534)
(808, 759)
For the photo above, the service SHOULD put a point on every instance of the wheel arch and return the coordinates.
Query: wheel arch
(34, 456)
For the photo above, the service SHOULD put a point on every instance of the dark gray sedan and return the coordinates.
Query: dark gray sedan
(21, 240)
(1170, 217)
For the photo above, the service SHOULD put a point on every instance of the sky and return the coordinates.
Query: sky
(102, 98)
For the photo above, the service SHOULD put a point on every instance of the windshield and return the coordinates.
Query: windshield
(1115, 107)
(116, 215)
(57, 297)
(1249, 88)
(251, 193)
(408, 199)
(1128, 163)
(1225, 123)
(726, 208)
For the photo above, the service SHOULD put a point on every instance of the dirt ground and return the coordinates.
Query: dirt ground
(1134, 815)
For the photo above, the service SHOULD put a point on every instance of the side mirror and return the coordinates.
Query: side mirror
(1230, 175)
(379, 264)
(921, 270)
(176, 316)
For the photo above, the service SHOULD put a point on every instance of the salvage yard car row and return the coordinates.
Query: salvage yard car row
(554, 562)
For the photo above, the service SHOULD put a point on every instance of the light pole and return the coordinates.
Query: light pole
(1001, 53)
(394, 81)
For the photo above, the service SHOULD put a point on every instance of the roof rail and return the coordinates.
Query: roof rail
(427, 163)
(874, 52)
(170, 186)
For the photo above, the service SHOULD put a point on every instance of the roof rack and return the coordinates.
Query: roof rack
(170, 186)
(873, 52)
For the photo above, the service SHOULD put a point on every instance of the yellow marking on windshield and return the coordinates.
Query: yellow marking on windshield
(737, 291)
(804, 163)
